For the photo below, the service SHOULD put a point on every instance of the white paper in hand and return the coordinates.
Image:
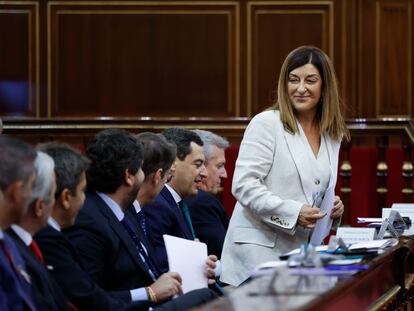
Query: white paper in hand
(188, 258)
(323, 225)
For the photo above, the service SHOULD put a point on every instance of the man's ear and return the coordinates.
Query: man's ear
(173, 169)
(65, 199)
(128, 178)
(158, 176)
(37, 207)
(14, 192)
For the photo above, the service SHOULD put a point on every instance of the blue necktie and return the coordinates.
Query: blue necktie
(132, 231)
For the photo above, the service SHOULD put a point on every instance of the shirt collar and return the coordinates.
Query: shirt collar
(114, 207)
(175, 195)
(137, 207)
(23, 234)
(54, 224)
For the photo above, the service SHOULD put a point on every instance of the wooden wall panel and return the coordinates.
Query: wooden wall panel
(385, 58)
(19, 58)
(274, 28)
(140, 59)
(393, 58)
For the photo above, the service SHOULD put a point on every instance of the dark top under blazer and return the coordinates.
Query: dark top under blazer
(108, 252)
(164, 217)
(209, 220)
(15, 291)
(46, 292)
(69, 272)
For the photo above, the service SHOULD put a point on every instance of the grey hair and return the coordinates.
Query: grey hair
(44, 170)
(210, 139)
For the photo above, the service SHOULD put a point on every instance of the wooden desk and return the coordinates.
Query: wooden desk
(385, 285)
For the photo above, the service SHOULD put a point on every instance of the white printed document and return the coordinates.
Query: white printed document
(376, 244)
(188, 258)
(323, 226)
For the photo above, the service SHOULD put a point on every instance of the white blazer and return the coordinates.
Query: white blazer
(272, 180)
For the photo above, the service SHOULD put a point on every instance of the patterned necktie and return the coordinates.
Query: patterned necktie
(142, 222)
(132, 231)
(36, 250)
(186, 212)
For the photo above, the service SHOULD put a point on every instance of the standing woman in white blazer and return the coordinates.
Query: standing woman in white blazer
(286, 159)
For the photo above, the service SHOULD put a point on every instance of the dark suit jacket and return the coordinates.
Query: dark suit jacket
(72, 277)
(110, 255)
(209, 219)
(15, 290)
(164, 217)
(46, 292)
(108, 252)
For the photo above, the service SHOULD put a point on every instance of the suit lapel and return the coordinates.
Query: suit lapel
(150, 252)
(23, 284)
(120, 231)
(302, 164)
(333, 151)
(185, 230)
(61, 238)
(26, 253)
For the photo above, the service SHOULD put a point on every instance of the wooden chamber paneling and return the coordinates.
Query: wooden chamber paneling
(393, 58)
(218, 59)
(143, 59)
(19, 58)
(385, 58)
(274, 28)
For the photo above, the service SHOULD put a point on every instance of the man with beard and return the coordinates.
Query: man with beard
(114, 253)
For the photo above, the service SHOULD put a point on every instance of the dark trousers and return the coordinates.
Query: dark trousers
(190, 300)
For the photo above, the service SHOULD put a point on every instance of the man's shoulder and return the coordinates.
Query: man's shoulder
(92, 209)
(203, 198)
(48, 232)
(51, 239)
(161, 202)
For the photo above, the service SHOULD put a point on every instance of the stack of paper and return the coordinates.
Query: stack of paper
(372, 245)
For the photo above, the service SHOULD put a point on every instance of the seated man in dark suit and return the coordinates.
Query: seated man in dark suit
(46, 292)
(114, 251)
(58, 251)
(16, 180)
(208, 215)
(159, 155)
(167, 214)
